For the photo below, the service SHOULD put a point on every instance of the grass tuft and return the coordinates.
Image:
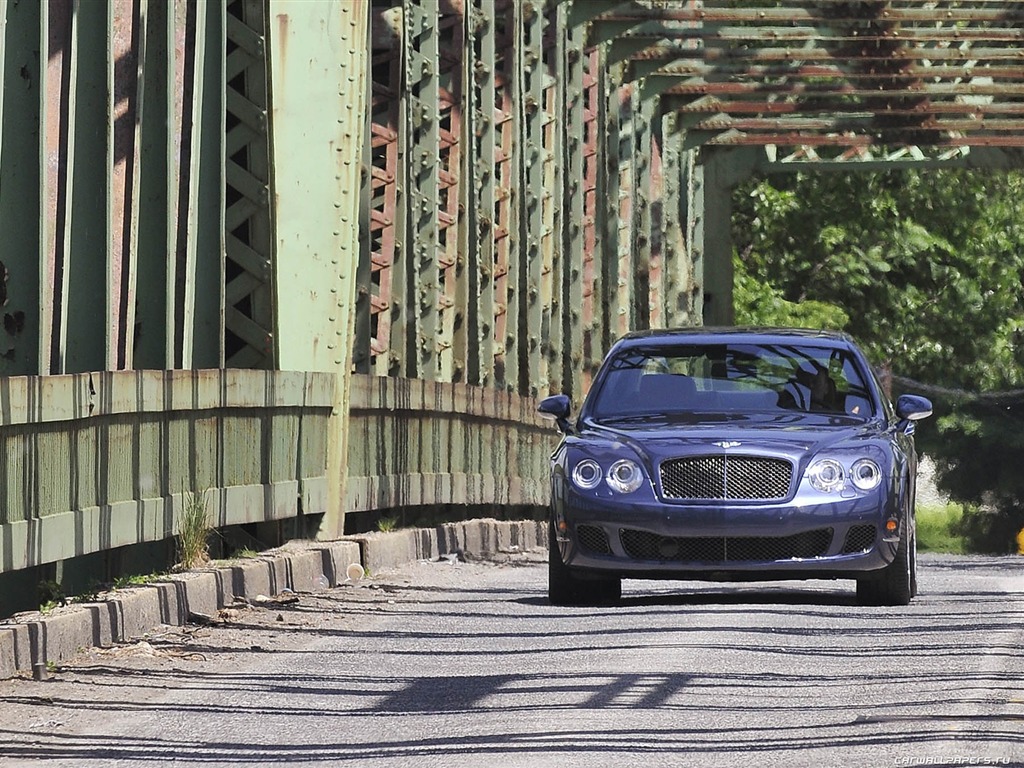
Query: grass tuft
(194, 532)
(387, 524)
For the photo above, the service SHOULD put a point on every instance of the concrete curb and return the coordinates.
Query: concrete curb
(32, 641)
(473, 538)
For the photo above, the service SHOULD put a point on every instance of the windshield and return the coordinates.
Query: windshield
(733, 378)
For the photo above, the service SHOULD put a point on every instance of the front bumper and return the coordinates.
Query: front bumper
(839, 539)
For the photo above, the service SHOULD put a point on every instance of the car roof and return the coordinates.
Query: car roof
(734, 334)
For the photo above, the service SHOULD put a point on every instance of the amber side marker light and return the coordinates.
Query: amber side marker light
(891, 524)
(563, 526)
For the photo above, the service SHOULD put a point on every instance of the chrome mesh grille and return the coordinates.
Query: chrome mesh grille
(726, 477)
(643, 545)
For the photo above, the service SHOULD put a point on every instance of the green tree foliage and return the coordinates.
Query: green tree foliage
(925, 270)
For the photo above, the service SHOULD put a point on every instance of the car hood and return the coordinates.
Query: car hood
(792, 434)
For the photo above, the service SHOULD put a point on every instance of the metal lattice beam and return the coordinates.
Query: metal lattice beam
(829, 73)
(248, 289)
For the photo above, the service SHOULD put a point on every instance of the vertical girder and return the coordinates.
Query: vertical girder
(483, 141)
(681, 291)
(505, 227)
(571, 280)
(319, 56)
(423, 191)
(112, 178)
(530, 40)
(552, 197)
(592, 195)
(624, 107)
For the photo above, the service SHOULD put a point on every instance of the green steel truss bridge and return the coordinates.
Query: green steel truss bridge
(313, 259)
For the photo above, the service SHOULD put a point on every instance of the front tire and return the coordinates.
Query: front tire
(895, 584)
(566, 588)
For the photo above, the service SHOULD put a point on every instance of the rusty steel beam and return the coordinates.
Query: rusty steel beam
(881, 50)
(479, 189)
(879, 68)
(798, 69)
(703, 86)
(451, 342)
(849, 123)
(855, 140)
(505, 224)
(710, 104)
(681, 296)
(940, 13)
(624, 105)
(573, 130)
(553, 276)
(423, 190)
(530, 51)
(661, 39)
(591, 288)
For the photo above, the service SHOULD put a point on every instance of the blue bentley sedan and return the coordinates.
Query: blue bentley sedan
(731, 455)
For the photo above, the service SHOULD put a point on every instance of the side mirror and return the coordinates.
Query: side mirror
(910, 409)
(913, 407)
(556, 408)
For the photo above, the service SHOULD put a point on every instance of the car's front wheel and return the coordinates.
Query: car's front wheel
(566, 588)
(896, 583)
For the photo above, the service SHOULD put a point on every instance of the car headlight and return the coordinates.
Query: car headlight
(625, 476)
(587, 474)
(827, 476)
(865, 474)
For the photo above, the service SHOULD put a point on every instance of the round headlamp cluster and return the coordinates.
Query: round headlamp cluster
(865, 474)
(624, 476)
(587, 474)
(829, 475)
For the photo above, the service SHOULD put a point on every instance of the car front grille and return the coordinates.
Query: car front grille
(593, 539)
(726, 477)
(859, 538)
(643, 545)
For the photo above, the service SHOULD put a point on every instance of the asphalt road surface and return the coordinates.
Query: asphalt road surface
(467, 665)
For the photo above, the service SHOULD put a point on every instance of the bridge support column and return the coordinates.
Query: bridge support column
(318, 56)
(723, 170)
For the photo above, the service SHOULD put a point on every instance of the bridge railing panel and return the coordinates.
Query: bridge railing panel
(424, 443)
(94, 461)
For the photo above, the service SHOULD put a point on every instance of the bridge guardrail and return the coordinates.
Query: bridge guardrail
(94, 461)
(415, 443)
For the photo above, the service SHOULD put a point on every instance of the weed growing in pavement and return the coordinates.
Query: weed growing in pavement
(194, 532)
(135, 580)
(50, 595)
(387, 524)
